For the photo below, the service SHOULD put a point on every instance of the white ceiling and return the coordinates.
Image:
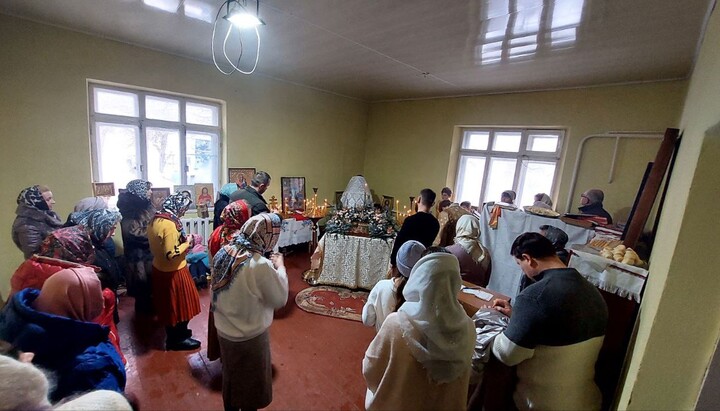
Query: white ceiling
(401, 49)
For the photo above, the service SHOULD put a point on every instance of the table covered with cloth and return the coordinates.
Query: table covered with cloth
(506, 274)
(352, 262)
(614, 277)
(293, 232)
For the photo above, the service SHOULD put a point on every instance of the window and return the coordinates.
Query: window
(494, 160)
(166, 139)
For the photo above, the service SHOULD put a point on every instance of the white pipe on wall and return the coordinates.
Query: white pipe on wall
(617, 135)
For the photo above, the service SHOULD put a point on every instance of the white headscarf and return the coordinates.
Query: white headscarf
(436, 328)
(467, 232)
(357, 194)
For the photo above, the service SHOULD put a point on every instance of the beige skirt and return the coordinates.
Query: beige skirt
(246, 372)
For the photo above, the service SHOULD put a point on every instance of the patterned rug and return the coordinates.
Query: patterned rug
(332, 301)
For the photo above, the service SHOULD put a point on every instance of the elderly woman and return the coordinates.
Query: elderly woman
(474, 258)
(56, 324)
(247, 288)
(35, 219)
(101, 224)
(68, 247)
(63, 248)
(233, 217)
(175, 297)
(222, 202)
(137, 212)
(420, 358)
(91, 203)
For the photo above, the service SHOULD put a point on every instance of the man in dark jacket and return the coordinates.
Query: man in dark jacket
(421, 226)
(591, 202)
(252, 194)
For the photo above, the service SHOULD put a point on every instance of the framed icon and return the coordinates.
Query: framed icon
(103, 189)
(241, 176)
(293, 193)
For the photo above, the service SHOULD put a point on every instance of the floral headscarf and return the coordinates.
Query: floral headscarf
(32, 197)
(177, 204)
(233, 217)
(69, 244)
(139, 188)
(228, 189)
(172, 208)
(258, 235)
(99, 222)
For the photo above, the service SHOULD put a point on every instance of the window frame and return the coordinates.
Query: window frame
(522, 156)
(143, 124)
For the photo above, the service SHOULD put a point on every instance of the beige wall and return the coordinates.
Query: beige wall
(410, 143)
(680, 319)
(284, 129)
(401, 147)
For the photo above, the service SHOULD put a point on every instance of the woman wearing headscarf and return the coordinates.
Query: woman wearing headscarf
(88, 204)
(91, 203)
(386, 296)
(222, 202)
(474, 258)
(35, 219)
(232, 218)
(101, 224)
(420, 358)
(175, 297)
(63, 248)
(247, 288)
(68, 247)
(137, 212)
(56, 324)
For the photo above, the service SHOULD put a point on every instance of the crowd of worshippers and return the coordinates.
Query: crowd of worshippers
(66, 292)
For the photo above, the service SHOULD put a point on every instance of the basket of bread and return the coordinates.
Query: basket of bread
(622, 254)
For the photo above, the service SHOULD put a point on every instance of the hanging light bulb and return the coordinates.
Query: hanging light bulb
(240, 19)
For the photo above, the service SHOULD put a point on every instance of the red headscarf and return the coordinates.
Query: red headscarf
(233, 217)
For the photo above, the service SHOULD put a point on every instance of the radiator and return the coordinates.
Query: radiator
(202, 226)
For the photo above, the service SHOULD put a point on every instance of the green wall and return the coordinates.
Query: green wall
(401, 147)
(413, 144)
(284, 129)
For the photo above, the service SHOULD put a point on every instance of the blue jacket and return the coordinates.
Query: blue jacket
(78, 353)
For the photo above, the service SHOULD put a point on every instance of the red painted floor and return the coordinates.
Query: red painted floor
(317, 360)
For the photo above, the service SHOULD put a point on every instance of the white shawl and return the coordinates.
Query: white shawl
(437, 330)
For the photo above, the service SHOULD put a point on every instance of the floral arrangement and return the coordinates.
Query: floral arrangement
(380, 224)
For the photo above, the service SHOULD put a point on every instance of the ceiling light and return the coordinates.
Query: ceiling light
(244, 20)
(240, 20)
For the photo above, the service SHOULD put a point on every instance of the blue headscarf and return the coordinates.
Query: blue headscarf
(228, 189)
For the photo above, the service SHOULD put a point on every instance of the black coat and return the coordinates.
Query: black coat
(220, 205)
(257, 203)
